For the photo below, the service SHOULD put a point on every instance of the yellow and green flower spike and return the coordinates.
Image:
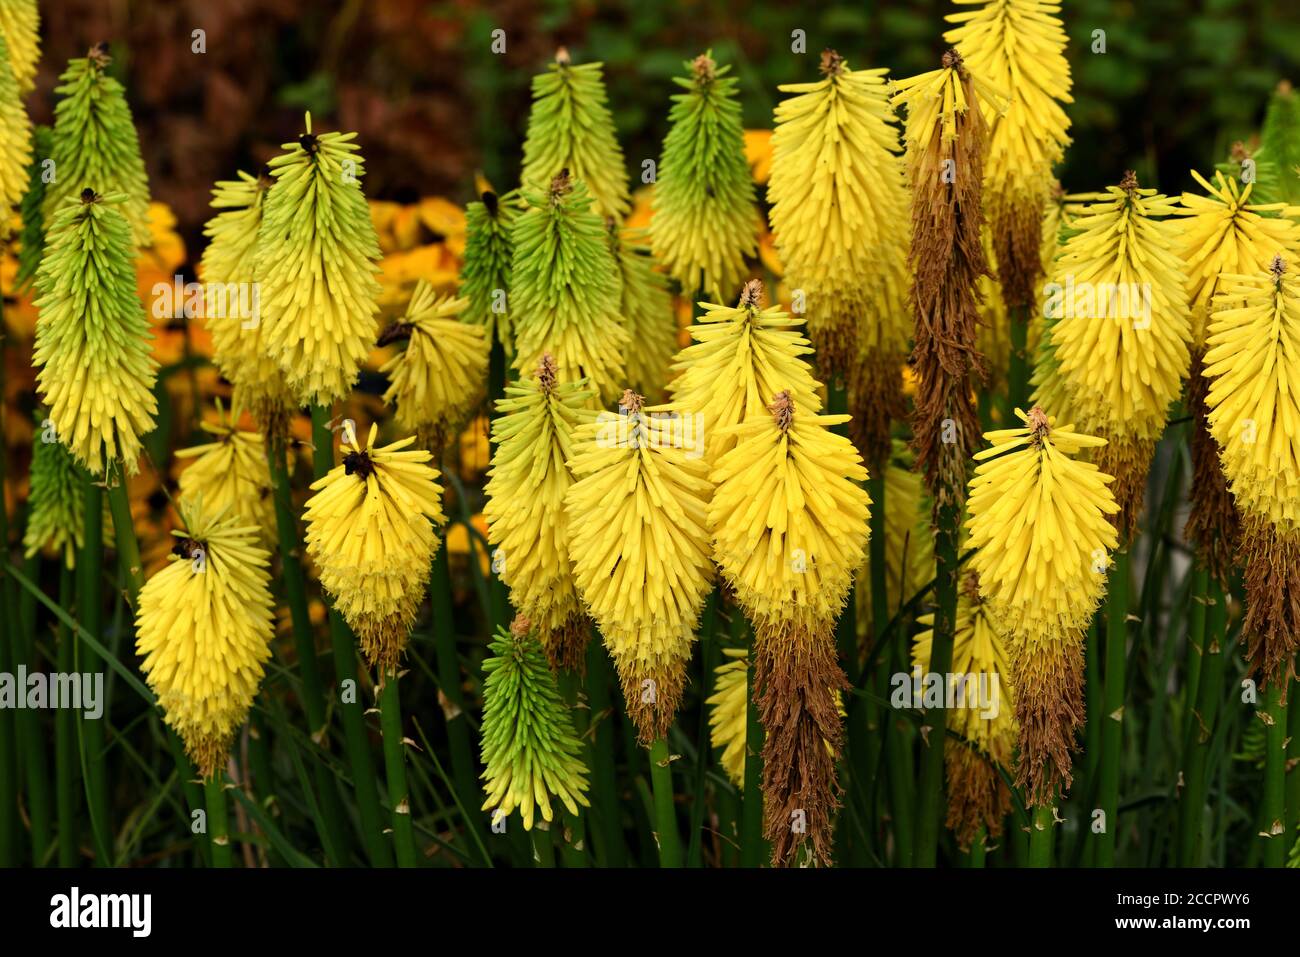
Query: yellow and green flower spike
(230, 475)
(532, 755)
(56, 504)
(92, 350)
(570, 127)
(485, 272)
(564, 293)
(705, 222)
(95, 144)
(436, 381)
(317, 255)
(229, 271)
(20, 22)
(527, 522)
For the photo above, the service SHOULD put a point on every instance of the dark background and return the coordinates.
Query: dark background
(1177, 84)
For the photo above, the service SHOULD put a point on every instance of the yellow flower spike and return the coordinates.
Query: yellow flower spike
(20, 22)
(15, 140)
(1118, 313)
(370, 532)
(729, 713)
(639, 545)
(204, 628)
(1251, 362)
(316, 263)
(985, 717)
(1019, 47)
(527, 522)
(1038, 518)
(1224, 233)
(230, 474)
(230, 311)
(837, 194)
(437, 380)
(741, 357)
(788, 517)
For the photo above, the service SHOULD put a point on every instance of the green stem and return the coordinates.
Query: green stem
(343, 645)
(709, 654)
(977, 856)
(331, 825)
(128, 548)
(857, 760)
(1112, 732)
(9, 824)
(606, 812)
(898, 764)
(1018, 366)
(661, 781)
(573, 827)
(464, 770)
(1273, 803)
(1293, 764)
(30, 740)
(1196, 619)
(91, 611)
(390, 712)
(1200, 727)
(1042, 836)
(930, 803)
(873, 717)
(65, 735)
(753, 848)
(214, 794)
(543, 845)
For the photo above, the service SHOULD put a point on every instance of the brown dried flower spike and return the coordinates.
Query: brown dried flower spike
(548, 372)
(782, 409)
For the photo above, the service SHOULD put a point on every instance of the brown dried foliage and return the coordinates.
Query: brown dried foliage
(947, 258)
(1017, 247)
(1271, 630)
(1048, 678)
(1129, 461)
(977, 796)
(566, 646)
(875, 394)
(796, 680)
(1213, 523)
(652, 707)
